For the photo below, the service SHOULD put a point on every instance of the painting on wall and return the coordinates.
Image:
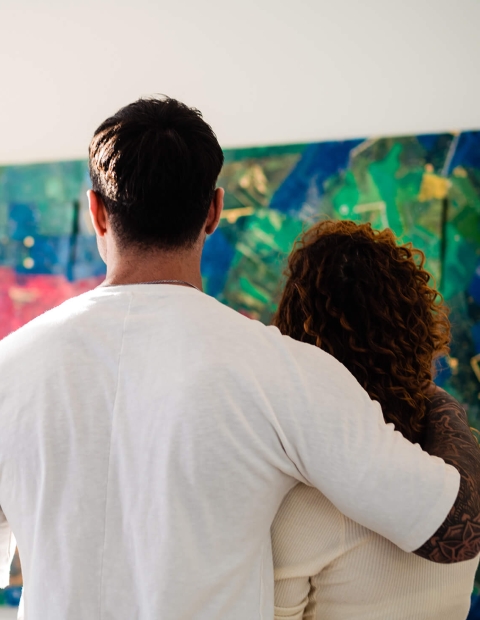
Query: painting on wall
(425, 188)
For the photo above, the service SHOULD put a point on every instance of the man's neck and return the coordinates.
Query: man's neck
(136, 267)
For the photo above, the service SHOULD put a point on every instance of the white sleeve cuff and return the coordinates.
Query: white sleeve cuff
(428, 526)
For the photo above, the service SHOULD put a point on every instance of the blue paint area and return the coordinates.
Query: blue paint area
(13, 595)
(428, 141)
(437, 148)
(52, 255)
(49, 254)
(474, 288)
(319, 162)
(216, 260)
(443, 371)
(22, 221)
(87, 262)
(467, 153)
(475, 331)
(474, 613)
(59, 253)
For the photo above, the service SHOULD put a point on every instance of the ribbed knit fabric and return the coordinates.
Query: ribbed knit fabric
(328, 567)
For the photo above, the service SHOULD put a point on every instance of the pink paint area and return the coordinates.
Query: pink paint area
(24, 297)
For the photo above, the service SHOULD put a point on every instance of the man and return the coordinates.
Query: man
(150, 433)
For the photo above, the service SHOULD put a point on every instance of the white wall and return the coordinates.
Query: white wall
(262, 71)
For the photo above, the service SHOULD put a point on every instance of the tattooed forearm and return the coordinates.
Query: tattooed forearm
(449, 437)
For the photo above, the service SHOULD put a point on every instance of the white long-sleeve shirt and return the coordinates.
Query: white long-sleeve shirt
(327, 567)
(148, 437)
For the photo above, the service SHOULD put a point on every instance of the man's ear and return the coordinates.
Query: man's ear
(98, 213)
(215, 211)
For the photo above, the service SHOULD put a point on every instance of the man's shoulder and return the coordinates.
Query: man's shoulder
(267, 345)
(238, 326)
(241, 328)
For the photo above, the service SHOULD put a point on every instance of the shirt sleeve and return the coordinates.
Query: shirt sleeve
(339, 442)
(7, 550)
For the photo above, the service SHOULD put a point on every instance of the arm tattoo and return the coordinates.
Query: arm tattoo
(449, 437)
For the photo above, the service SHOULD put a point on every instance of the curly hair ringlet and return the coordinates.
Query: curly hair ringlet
(354, 292)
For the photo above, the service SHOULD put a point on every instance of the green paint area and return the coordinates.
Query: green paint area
(255, 276)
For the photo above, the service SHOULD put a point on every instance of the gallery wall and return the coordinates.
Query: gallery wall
(262, 71)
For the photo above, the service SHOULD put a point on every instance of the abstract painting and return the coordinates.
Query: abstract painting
(426, 188)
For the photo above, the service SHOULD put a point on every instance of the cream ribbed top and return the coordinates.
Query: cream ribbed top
(328, 567)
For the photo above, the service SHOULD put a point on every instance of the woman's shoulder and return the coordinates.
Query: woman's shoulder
(303, 507)
(304, 513)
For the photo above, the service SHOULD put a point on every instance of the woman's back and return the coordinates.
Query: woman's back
(357, 294)
(328, 567)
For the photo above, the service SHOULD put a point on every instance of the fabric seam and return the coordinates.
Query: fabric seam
(127, 314)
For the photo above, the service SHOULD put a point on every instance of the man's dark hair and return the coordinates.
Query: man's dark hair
(155, 164)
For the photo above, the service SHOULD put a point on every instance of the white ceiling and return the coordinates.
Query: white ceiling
(262, 71)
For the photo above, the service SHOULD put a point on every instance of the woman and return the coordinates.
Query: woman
(367, 301)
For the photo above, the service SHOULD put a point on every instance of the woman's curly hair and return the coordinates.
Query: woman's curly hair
(355, 293)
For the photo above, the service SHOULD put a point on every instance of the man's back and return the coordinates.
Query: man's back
(122, 478)
(142, 459)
